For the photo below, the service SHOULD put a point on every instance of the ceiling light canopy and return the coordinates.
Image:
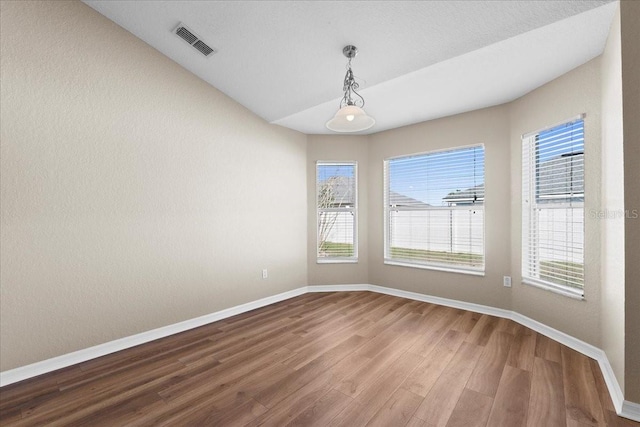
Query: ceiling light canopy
(350, 117)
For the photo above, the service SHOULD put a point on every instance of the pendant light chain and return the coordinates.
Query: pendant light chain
(350, 116)
(350, 87)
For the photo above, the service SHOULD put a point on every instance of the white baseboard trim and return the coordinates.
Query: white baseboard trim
(338, 288)
(613, 386)
(630, 410)
(623, 408)
(413, 296)
(477, 308)
(561, 337)
(65, 360)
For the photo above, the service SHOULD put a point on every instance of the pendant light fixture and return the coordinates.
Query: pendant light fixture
(350, 117)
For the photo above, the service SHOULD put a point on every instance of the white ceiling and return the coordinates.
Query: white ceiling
(418, 60)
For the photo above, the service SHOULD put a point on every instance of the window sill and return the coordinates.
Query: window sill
(336, 261)
(567, 292)
(436, 268)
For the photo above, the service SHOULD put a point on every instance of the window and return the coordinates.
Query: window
(336, 184)
(434, 210)
(553, 208)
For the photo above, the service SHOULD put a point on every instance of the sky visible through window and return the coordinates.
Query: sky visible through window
(429, 178)
(326, 171)
(561, 140)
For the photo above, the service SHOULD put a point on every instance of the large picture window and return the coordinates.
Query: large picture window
(553, 208)
(336, 196)
(434, 210)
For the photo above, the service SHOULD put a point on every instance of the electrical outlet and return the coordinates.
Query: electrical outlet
(265, 274)
(506, 281)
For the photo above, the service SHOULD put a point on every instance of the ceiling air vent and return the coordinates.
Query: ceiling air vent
(190, 37)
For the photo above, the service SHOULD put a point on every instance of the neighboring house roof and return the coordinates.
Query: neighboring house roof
(561, 176)
(558, 178)
(468, 196)
(397, 199)
(340, 191)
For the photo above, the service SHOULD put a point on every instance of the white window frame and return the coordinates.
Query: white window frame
(351, 209)
(531, 225)
(452, 268)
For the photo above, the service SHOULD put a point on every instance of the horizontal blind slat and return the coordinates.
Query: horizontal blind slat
(552, 208)
(336, 197)
(427, 220)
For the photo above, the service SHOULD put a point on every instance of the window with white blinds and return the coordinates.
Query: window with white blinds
(553, 208)
(434, 210)
(336, 197)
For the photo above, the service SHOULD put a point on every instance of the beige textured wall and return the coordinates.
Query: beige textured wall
(612, 222)
(564, 98)
(130, 189)
(630, 29)
(338, 148)
(500, 129)
(133, 194)
(488, 126)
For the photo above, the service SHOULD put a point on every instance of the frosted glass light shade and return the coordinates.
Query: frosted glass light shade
(350, 119)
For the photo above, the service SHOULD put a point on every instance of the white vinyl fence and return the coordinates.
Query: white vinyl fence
(461, 231)
(443, 230)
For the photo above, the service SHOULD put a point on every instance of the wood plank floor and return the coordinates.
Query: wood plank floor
(328, 359)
